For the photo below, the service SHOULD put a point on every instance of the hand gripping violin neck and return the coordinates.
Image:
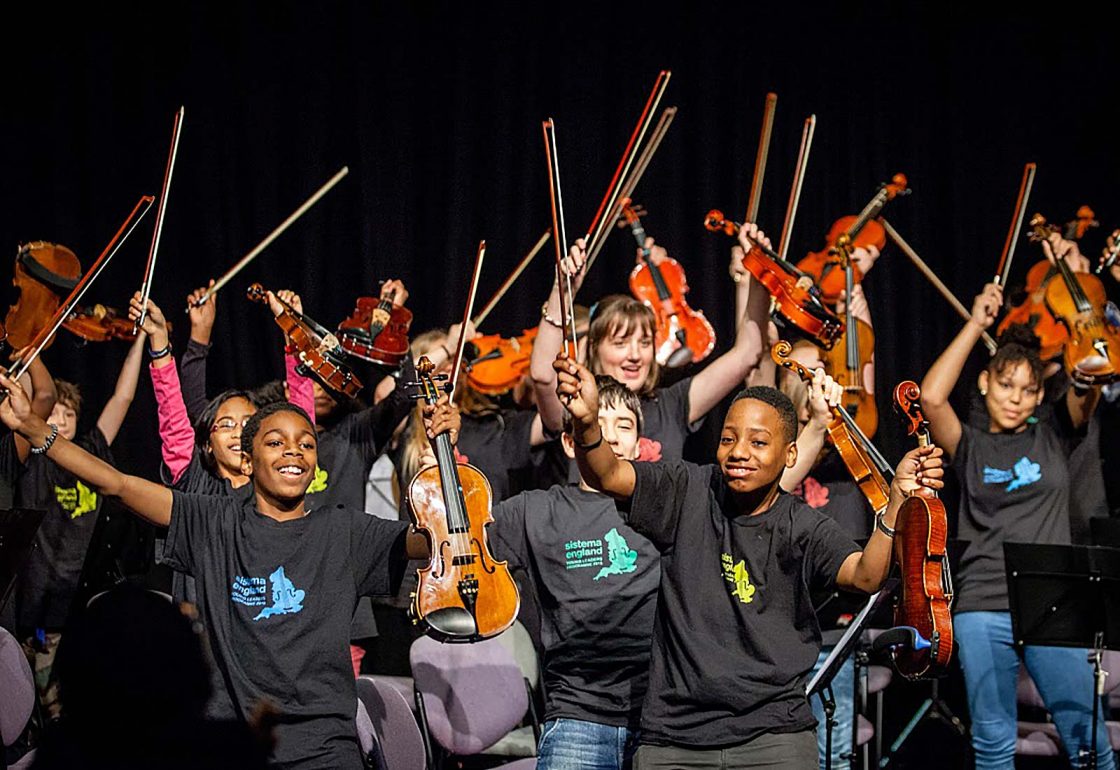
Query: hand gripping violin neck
(463, 595)
(319, 352)
(377, 331)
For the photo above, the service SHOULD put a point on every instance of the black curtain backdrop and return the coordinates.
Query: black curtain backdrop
(436, 109)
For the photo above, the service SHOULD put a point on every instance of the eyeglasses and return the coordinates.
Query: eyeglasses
(228, 423)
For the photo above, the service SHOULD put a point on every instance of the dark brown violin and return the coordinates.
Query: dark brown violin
(44, 273)
(795, 296)
(926, 587)
(319, 352)
(683, 335)
(464, 595)
(1076, 300)
(1029, 307)
(100, 324)
(377, 331)
(864, 462)
(829, 265)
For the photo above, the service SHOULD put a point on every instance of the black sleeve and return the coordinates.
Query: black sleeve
(97, 445)
(660, 492)
(192, 378)
(377, 553)
(196, 525)
(827, 547)
(10, 466)
(517, 438)
(507, 534)
(964, 446)
(370, 430)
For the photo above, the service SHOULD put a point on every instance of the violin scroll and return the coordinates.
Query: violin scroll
(715, 222)
(907, 397)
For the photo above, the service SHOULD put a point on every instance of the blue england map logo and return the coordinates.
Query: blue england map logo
(251, 592)
(1023, 474)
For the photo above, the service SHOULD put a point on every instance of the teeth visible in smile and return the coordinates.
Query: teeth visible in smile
(291, 470)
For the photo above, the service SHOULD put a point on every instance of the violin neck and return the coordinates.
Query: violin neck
(863, 442)
(851, 332)
(456, 507)
(872, 209)
(658, 279)
(1073, 286)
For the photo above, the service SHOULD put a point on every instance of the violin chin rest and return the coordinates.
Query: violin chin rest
(680, 357)
(451, 623)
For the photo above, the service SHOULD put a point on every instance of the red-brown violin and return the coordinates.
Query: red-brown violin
(463, 595)
(926, 588)
(320, 354)
(497, 364)
(683, 335)
(100, 324)
(44, 273)
(795, 295)
(377, 330)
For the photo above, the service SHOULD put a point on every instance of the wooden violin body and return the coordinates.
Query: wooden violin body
(377, 331)
(822, 265)
(1033, 312)
(682, 335)
(926, 587)
(500, 363)
(44, 273)
(793, 294)
(320, 354)
(100, 324)
(463, 595)
(858, 400)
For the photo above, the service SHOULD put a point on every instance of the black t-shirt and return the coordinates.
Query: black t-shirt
(596, 580)
(53, 569)
(829, 489)
(1015, 488)
(665, 422)
(735, 636)
(498, 445)
(276, 599)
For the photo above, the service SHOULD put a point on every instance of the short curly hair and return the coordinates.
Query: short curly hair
(253, 425)
(787, 415)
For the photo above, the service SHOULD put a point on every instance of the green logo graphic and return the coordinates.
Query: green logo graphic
(77, 500)
(737, 575)
(623, 558)
(320, 481)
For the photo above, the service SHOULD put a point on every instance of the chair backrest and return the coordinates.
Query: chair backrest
(401, 742)
(520, 644)
(17, 689)
(473, 694)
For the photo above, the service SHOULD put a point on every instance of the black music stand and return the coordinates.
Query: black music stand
(821, 682)
(17, 532)
(1066, 596)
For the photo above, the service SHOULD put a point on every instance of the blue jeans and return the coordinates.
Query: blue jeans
(573, 744)
(991, 670)
(843, 691)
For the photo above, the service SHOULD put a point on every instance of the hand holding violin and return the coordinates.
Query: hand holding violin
(750, 236)
(865, 256)
(442, 417)
(921, 472)
(202, 315)
(1055, 246)
(395, 290)
(825, 394)
(1110, 246)
(986, 306)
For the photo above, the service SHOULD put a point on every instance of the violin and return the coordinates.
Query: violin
(866, 465)
(795, 296)
(1091, 354)
(100, 324)
(42, 272)
(846, 235)
(682, 335)
(463, 595)
(320, 354)
(498, 363)
(377, 331)
(926, 588)
(1028, 306)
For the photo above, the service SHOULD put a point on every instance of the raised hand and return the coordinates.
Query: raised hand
(575, 264)
(750, 236)
(397, 289)
(202, 316)
(1057, 247)
(442, 417)
(287, 295)
(155, 325)
(920, 472)
(575, 386)
(825, 393)
(985, 308)
(15, 410)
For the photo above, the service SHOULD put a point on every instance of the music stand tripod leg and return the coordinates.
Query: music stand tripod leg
(927, 704)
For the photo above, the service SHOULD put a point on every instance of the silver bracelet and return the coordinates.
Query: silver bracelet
(39, 450)
(881, 526)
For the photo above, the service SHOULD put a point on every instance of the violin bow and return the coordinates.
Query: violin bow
(66, 308)
(635, 176)
(563, 280)
(479, 319)
(268, 239)
(807, 132)
(1016, 225)
(149, 271)
(761, 157)
(602, 220)
(931, 276)
(457, 362)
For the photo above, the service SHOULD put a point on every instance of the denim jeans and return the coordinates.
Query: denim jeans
(573, 744)
(843, 691)
(991, 670)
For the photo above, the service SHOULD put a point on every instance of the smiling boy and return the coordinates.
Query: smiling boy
(735, 636)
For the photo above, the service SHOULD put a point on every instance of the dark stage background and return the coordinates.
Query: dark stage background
(437, 108)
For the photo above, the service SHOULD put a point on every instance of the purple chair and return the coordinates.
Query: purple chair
(468, 695)
(17, 694)
(402, 745)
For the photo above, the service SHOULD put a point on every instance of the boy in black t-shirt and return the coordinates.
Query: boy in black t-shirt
(277, 582)
(735, 636)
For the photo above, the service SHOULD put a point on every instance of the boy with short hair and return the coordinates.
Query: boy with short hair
(735, 636)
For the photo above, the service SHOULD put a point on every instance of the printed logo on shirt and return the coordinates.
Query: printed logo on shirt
(1023, 474)
(319, 483)
(253, 592)
(737, 576)
(77, 500)
(813, 492)
(649, 451)
(623, 558)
